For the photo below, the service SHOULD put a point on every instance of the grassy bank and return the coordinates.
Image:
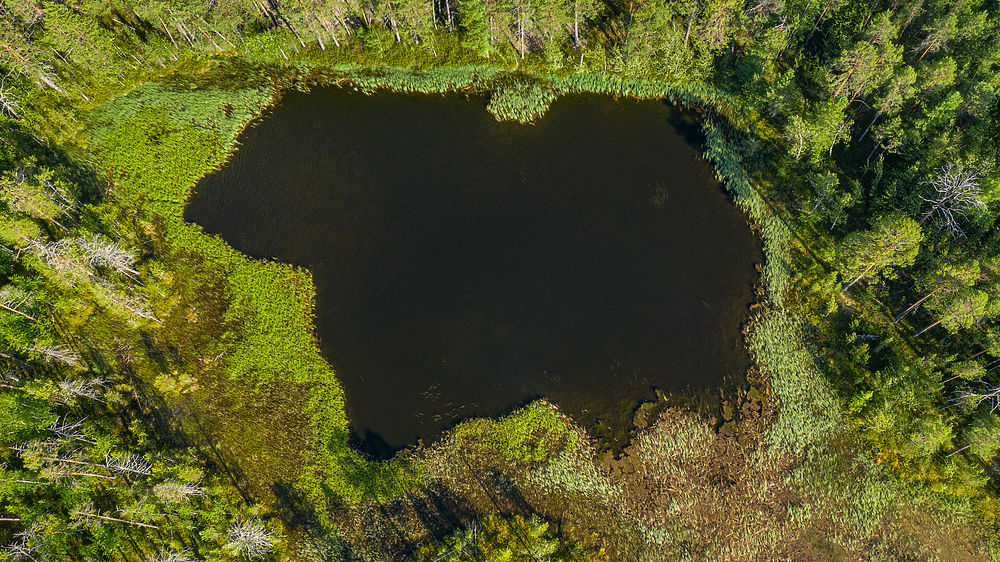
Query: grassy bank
(253, 389)
(251, 319)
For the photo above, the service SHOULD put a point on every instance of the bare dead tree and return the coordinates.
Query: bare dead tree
(13, 298)
(128, 464)
(58, 194)
(74, 260)
(63, 472)
(29, 545)
(59, 255)
(65, 429)
(40, 447)
(55, 463)
(100, 251)
(53, 450)
(250, 538)
(173, 491)
(71, 389)
(58, 354)
(132, 302)
(8, 101)
(977, 395)
(954, 193)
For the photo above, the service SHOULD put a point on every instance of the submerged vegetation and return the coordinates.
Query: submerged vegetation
(162, 396)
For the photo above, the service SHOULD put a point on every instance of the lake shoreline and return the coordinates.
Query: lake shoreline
(237, 189)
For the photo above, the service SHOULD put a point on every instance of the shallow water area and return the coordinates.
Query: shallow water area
(464, 266)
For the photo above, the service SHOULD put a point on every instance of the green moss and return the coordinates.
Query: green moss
(253, 331)
(267, 394)
(536, 433)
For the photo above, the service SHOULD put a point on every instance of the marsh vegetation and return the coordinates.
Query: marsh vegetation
(466, 266)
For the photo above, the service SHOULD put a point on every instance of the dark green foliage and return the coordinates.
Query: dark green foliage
(892, 242)
(497, 538)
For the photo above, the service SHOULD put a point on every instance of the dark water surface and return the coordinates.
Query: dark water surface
(465, 266)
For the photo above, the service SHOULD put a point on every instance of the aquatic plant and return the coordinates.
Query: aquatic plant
(520, 99)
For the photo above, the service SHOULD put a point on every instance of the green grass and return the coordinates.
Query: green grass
(534, 434)
(253, 329)
(253, 383)
(252, 337)
(266, 395)
(808, 411)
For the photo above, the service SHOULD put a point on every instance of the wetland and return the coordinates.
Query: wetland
(466, 266)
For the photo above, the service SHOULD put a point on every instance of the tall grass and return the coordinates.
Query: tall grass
(808, 410)
(255, 340)
(160, 139)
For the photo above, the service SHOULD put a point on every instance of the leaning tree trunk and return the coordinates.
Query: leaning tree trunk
(916, 304)
(958, 450)
(870, 125)
(927, 328)
(858, 278)
(576, 23)
(16, 311)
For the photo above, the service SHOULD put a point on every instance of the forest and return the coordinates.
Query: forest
(162, 397)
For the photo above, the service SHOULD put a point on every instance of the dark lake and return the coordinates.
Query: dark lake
(465, 266)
